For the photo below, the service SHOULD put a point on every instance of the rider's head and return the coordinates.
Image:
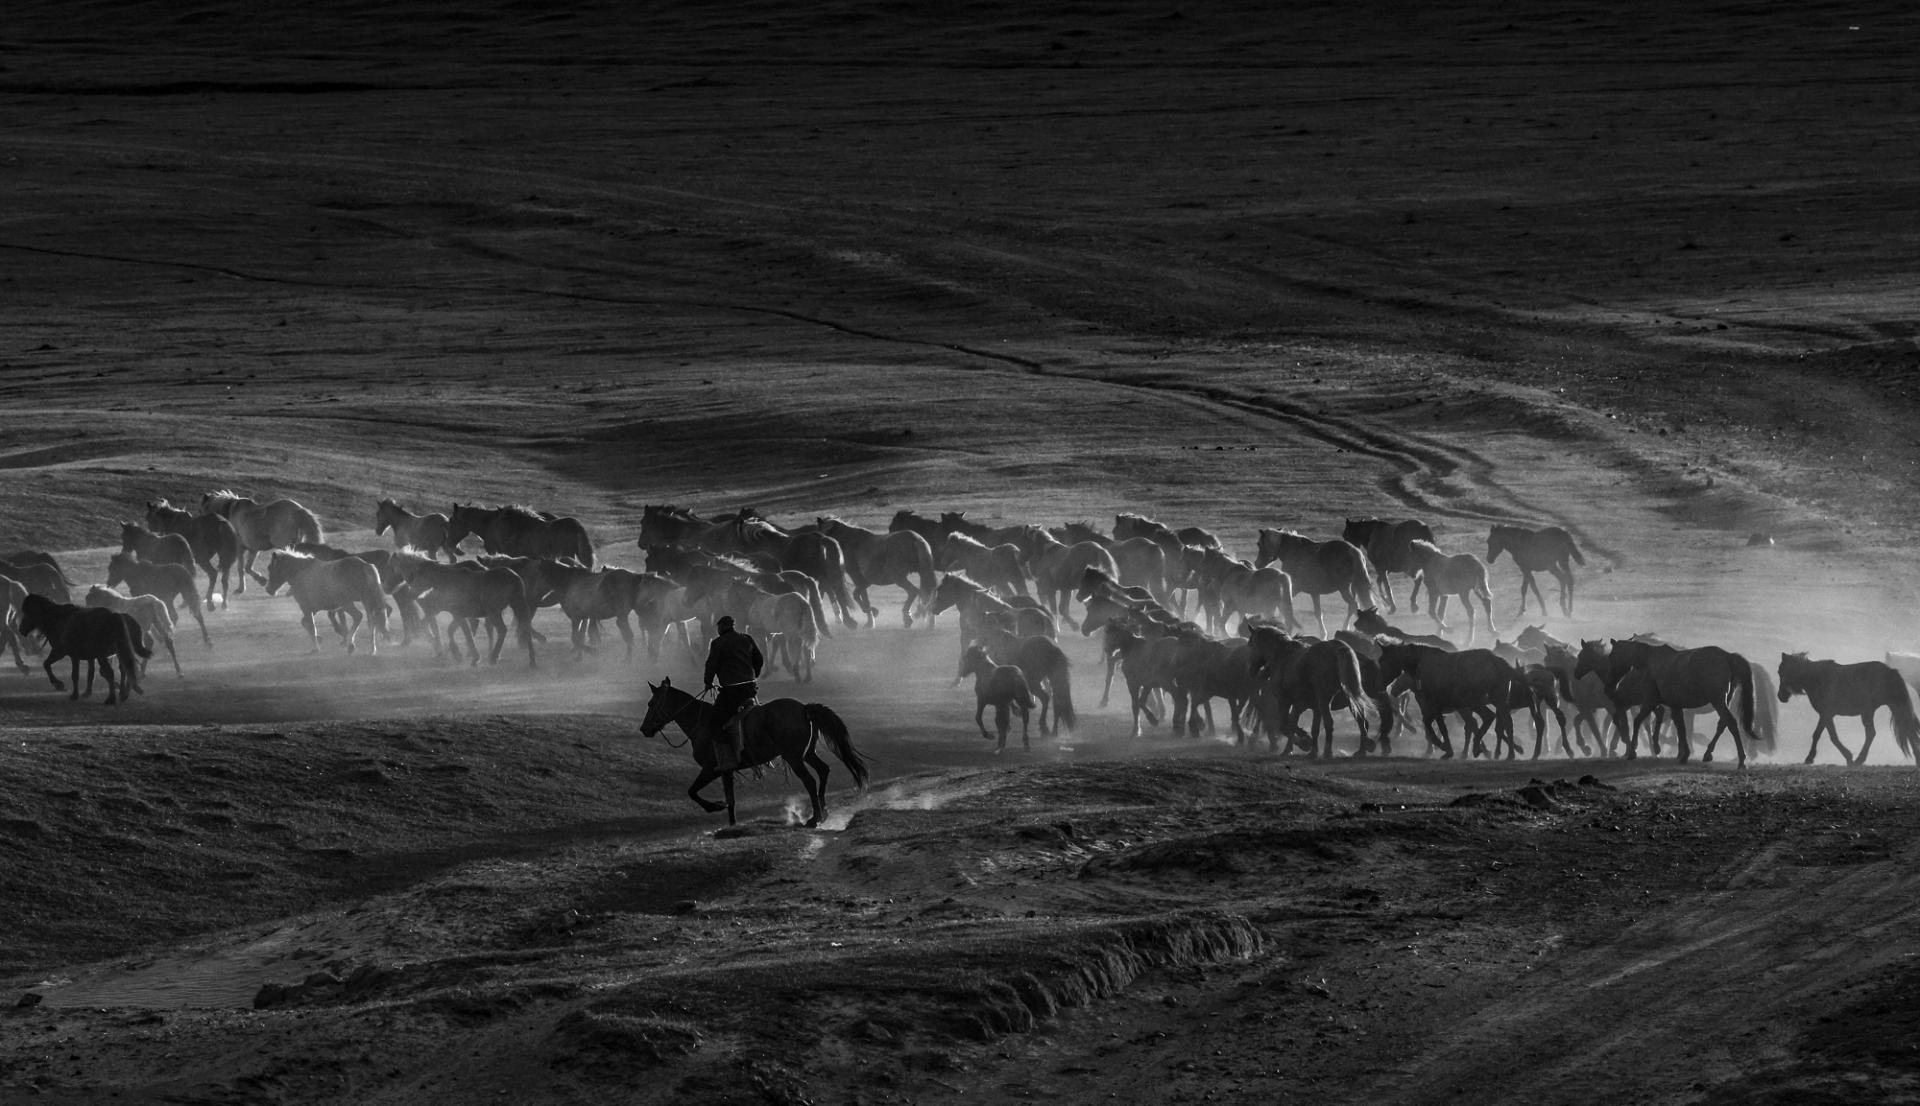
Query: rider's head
(724, 623)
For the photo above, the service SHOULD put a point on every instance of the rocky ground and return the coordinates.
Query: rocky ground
(1641, 273)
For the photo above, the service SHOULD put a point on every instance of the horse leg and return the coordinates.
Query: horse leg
(820, 772)
(1001, 723)
(313, 632)
(980, 717)
(1527, 581)
(1563, 574)
(353, 630)
(497, 630)
(1026, 740)
(1317, 616)
(1866, 723)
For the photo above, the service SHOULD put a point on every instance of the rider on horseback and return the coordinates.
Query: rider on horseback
(734, 662)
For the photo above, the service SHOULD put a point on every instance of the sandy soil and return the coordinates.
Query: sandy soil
(1643, 274)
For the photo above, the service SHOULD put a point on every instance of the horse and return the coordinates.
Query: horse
(975, 603)
(467, 593)
(792, 636)
(1318, 568)
(160, 549)
(1545, 550)
(1587, 693)
(1369, 621)
(1255, 593)
(427, 533)
(995, 567)
(1041, 660)
(1001, 686)
(1385, 541)
(520, 532)
(149, 613)
(1058, 568)
(39, 578)
(1447, 575)
(1305, 675)
(164, 582)
(891, 558)
(1858, 690)
(1148, 665)
(337, 585)
(261, 527)
(1473, 683)
(785, 729)
(815, 554)
(1678, 680)
(90, 634)
(215, 545)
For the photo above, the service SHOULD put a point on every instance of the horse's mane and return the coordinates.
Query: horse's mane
(1421, 545)
(963, 579)
(295, 554)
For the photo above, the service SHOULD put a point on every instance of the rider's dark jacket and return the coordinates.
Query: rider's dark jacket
(734, 658)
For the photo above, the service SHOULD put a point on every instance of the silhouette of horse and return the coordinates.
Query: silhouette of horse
(426, 533)
(1320, 676)
(160, 549)
(1447, 575)
(891, 558)
(791, 634)
(1385, 541)
(39, 577)
(975, 603)
(1369, 621)
(1678, 680)
(1001, 686)
(1545, 550)
(996, 567)
(783, 729)
(1148, 664)
(815, 554)
(90, 634)
(149, 613)
(215, 545)
(1041, 660)
(1319, 568)
(348, 585)
(166, 583)
(520, 532)
(1857, 690)
(468, 592)
(1058, 568)
(1586, 693)
(262, 527)
(1473, 683)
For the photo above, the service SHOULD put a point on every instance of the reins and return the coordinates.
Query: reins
(691, 702)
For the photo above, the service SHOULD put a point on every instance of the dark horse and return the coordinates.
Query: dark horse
(1002, 687)
(786, 729)
(519, 532)
(1546, 550)
(215, 545)
(1677, 680)
(1385, 542)
(87, 634)
(1861, 689)
(1320, 676)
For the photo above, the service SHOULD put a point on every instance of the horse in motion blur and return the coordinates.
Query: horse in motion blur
(215, 544)
(1857, 690)
(520, 532)
(426, 533)
(1549, 550)
(262, 527)
(781, 729)
(92, 634)
(1386, 543)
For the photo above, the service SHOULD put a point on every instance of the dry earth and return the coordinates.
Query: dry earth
(1641, 272)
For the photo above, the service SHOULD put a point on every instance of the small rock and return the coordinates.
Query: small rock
(30, 999)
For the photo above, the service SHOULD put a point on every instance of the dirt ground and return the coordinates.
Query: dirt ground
(1642, 273)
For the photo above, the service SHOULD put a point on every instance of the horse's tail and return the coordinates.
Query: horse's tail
(812, 596)
(1363, 584)
(1743, 688)
(1572, 549)
(308, 526)
(828, 725)
(1766, 720)
(1062, 681)
(1906, 727)
(1353, 686)
(582, 549)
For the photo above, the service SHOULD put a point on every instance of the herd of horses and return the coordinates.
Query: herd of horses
(1183, 623)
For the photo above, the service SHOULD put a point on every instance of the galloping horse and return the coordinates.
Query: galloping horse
(160, 549)
(1473, 683)
(1545, 550)
(1678, 680)
(783, 728)
(149, 613)
(1046, 668)
(520, 532)
(891, 558)
(1318, 568)
(1447, 575)
(1859, 690)
(1385, 542)
(427, 533)
(215, 545)
(90, 634)
(1002, 687)
(346, 584)
(280, 524)
(467, 593)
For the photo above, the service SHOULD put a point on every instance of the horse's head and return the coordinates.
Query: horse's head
(1793, 675)
(117, 566)
(278, 567)
(664, 706)
(1496, 543)
(1594, 657)
(130, 534)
